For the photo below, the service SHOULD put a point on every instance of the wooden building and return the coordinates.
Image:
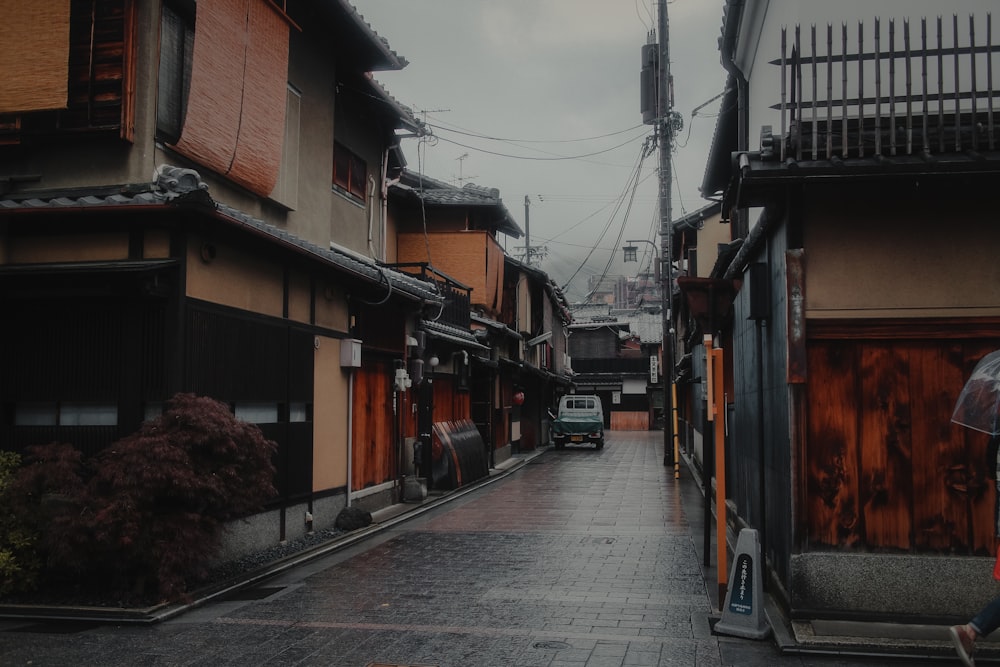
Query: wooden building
(856, 155)
(191, 200)
(501, 352)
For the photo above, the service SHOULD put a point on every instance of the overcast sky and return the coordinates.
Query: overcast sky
(509, 85)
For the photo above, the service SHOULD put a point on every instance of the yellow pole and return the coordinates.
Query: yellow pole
(718, 410)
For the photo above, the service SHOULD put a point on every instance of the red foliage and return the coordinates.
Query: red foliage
(153, 508)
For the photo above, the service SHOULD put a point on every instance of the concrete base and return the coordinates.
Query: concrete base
(502, 454)
(889, 587)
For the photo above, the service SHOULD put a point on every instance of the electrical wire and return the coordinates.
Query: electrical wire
(641, 20)
(533, 141)
(632, 184)
(552, 158)
(621, 230)
(677, 182)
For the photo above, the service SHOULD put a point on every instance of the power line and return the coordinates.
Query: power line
(632, 183)
(553, 158)
(532, 141)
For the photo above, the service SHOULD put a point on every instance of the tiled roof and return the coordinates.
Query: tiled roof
(437, 193)
(493, 325)
(647, 326)
(392, 59)
(459, 336)
(335, 258)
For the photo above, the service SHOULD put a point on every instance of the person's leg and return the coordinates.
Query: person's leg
(988, 619)
(963, 638)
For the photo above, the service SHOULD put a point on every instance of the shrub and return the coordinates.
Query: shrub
(44, 498)
(160, 497)
(18, 561)
(147, 513)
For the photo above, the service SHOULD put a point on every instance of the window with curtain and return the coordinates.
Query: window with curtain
(70, 68)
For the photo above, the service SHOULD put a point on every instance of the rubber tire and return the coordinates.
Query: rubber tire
(600, 443)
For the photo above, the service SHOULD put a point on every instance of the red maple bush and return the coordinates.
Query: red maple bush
(147, 513)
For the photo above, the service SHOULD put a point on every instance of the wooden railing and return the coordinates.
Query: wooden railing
(914, 94)
(457, 300)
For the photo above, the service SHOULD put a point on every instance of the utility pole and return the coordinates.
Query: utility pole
(664, 127)
(527, 233)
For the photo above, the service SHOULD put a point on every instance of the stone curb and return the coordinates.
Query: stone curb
(394, 514)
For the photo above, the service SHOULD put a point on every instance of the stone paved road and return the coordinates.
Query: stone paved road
(582, 558)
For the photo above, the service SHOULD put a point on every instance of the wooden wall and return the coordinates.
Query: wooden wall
(629, 421)
(373, 454)
(885, 468)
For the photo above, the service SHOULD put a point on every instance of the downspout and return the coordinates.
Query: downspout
(350, 432)
(384, 204)
(727, 46)
(372, 189)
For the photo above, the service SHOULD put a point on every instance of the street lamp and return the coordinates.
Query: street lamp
(632, 255)
(667, 370)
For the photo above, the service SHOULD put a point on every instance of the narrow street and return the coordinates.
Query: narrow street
(581, 558)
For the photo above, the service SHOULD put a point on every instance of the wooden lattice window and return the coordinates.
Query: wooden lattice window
(101, 77)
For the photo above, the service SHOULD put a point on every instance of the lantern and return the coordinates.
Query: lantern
(518, 397)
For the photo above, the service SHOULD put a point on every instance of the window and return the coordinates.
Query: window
(174, 78)
(257, 413)
(299, 413)
(81, 64)
(36, 414)
(349, 171)
(65, 414)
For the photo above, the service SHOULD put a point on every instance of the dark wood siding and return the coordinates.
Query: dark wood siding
(89, 350)
(759, 454)
(235, 357)
(885, 467)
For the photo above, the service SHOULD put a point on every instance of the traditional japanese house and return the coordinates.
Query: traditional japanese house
(191, 200)
(852, 136)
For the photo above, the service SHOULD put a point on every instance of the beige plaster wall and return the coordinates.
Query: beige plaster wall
(67, 248)
(905, 255)
(330, 406)
(235, 279)
(331, 306)
(156, 244)
(299, 296)
(712, 233)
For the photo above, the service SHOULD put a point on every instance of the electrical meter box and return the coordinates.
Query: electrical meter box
(350, 353)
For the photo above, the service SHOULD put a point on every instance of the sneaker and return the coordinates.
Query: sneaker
(965, 642)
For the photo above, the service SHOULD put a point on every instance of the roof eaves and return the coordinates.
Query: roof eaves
(342, 259)
(392, 60)
(151, 198)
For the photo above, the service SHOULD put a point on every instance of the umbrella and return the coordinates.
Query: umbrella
(978, 406)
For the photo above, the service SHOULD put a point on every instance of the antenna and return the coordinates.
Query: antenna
(461, 163)
(424, 112)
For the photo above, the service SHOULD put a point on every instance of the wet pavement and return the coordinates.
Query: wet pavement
(579, 558)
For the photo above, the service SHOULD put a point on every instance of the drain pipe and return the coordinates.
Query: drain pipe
(350, 432)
